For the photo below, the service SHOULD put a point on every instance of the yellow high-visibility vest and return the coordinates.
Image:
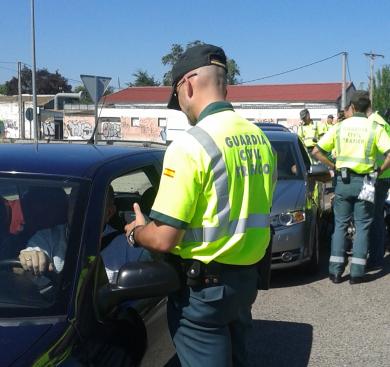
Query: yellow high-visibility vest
(308, 133)
(217, 184)
(380, 159)
(357, 142)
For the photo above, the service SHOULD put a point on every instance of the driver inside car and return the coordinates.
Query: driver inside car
(46, 249)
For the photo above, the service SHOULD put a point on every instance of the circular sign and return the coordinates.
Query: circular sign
(29, 114)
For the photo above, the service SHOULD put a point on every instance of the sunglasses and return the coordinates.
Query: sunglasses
(179, 84)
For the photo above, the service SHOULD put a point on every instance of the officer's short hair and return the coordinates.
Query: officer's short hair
(194, 58)
(361, 101)
(340, 116)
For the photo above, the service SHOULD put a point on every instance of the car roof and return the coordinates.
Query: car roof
(271, 126)
(73, 160)
(280, 135)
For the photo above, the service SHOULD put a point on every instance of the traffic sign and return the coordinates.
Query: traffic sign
(95, 85)
(29, 114)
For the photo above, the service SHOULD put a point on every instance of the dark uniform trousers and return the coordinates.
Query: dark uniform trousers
(346, 206)
(209, 324)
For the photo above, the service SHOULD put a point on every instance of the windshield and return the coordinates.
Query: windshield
(36, 226)
(288, 166)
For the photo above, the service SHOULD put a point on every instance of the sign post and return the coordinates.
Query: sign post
(95, 86)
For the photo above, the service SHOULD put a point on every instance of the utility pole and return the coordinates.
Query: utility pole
(372, 57)
(344, 82)
(21, 119)
(34, 90)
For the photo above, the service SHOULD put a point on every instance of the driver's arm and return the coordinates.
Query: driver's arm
(34, 259)
(45, 251)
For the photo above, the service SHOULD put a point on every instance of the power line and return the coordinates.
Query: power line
(5, 68)
(291, 70)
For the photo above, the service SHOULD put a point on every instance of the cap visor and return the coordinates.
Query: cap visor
(173, 102)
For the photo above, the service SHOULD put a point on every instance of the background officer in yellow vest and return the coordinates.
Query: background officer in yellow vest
(212, 214)
(377, 233)
(308, 130)
(357, 141)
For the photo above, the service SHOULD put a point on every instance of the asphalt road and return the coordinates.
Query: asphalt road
(309, 321)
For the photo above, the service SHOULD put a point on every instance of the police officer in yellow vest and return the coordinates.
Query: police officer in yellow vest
(211, 213)
(308, 130)
(357, 141)
(377, 238)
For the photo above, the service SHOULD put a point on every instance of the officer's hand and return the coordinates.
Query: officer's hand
(36, 261)
(140, 220)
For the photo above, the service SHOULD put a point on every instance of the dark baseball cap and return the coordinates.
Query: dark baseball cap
(358, 96)
(194, 58)
(330, 117)
(304, 113)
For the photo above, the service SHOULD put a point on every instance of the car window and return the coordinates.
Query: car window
(305, 155)
(122, 193)
(36, 221)
(288, 164)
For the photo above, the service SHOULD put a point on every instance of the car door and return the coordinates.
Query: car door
(120, 337)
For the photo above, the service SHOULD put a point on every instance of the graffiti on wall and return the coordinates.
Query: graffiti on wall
(111, 130)
(266, 120)
(11, 128)
(48, 128)
(78, 127)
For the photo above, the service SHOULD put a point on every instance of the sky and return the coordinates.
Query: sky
(117, 38)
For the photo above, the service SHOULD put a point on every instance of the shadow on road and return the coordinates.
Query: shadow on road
(280, 343)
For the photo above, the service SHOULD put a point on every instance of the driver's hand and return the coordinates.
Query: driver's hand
(36, 261)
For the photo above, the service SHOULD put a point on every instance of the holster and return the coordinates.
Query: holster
(345, 175)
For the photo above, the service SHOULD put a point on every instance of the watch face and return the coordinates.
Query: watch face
(130, 238)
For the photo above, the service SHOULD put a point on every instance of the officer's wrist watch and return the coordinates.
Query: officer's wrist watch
(131, 237)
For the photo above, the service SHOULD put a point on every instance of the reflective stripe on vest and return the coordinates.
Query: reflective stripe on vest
(226, 227)
(366, 159)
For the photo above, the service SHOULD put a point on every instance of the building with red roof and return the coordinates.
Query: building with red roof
(140, 113)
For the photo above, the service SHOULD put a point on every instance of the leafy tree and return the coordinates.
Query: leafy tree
(46, 82)
(142, 79)
(232, 72)
(3, 89)
(381, 90)
(177, 50)
(86, 98)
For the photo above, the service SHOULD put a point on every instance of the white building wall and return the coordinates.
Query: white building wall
(285, 114)
(9, 114)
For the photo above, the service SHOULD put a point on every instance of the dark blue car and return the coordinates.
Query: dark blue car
(78, 311)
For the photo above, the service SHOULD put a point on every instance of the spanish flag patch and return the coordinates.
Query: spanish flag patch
(169, 172)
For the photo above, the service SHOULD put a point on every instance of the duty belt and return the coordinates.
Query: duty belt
(352, 173)
(195, 273)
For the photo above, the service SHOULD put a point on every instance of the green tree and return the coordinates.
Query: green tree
(86, 98)
(381, 90)
(232, 72)
(143, 79)
(46, 82)
(3, 89)
(177, 50)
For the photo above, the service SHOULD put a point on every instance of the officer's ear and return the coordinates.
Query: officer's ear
(189, 88)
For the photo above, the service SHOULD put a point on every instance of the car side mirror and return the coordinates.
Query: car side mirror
(138, 280)
(319, 172)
